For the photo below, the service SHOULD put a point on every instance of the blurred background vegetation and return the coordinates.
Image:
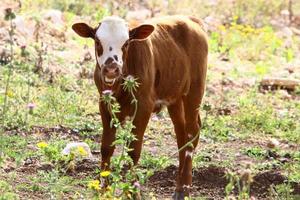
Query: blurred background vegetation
(253, 39)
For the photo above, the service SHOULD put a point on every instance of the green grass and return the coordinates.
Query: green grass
(6, 191)
(256, 152)
(12, 148)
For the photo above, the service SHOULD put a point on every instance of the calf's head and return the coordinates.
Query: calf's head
(112, 38)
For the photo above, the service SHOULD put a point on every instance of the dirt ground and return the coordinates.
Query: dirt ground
(209, 181)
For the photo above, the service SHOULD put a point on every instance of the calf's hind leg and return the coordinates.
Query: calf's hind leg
(191, 104)
(176, 112)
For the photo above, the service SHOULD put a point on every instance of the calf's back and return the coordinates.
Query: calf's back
(171, 59)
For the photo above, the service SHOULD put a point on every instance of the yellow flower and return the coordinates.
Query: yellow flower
(95, 185)
(239, 27)
(222, 28)
(42, 145)
(82, 151)
(10, 93)
(105, 173)
(235, 18)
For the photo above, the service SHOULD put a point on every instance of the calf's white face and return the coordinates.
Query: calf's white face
(110, 37)
(113, 32)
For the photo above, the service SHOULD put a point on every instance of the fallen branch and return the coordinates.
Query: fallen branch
(279, 83)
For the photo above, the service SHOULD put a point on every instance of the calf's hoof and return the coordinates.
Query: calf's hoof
(178, 196)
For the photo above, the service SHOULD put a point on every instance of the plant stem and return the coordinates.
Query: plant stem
(193, 139)
(28, 98)
(135, 104)
(187, 144)
(10, 70)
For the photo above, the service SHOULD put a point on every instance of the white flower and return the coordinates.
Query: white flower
(107, 92)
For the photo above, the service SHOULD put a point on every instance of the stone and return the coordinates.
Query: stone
(73, 145)
(21, 26)
(273, 143)
(55, 16)
(138, 16)
(286, 32)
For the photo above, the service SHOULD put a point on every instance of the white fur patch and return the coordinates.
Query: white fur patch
(160, 102)
(112, 33)
(188, 154)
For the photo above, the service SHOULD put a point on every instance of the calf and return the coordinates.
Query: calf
(168, 56)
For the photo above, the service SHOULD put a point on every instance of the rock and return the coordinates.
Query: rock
(285, 32)
(277, 23)
(73, 145)
(29, 161)
(282, 113)
(212, 23)
(212, 2)
(23, 27)
(249, 82)
(284, 95)
(273, 143)
(138, 16)
(285, 14)
(55, 16)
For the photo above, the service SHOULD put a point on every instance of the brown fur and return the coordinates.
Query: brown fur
(170, 65)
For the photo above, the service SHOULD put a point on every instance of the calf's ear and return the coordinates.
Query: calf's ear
(84, 30)
(141, 32)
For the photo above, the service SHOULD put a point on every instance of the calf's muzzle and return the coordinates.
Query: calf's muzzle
(110, 73)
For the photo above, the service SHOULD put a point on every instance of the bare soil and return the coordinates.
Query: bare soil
(208, 181)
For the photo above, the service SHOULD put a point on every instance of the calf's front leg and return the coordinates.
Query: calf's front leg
(140, 122)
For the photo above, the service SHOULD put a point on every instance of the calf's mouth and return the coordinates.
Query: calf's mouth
(109, 81)
(110, 74)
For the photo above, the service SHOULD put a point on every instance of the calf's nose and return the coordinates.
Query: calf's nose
(109, 61)
(111, 71)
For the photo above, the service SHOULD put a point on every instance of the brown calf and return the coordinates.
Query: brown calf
(168, 56)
